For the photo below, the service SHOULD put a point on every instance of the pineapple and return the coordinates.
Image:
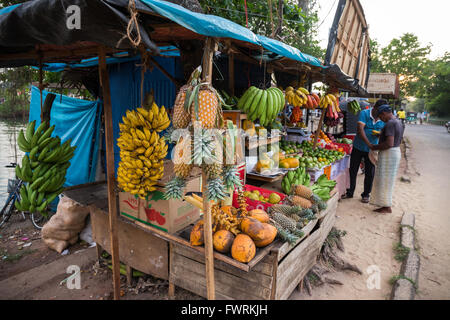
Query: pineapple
(283, 233)
(285, 222)
(174, 188)
(303, 191)
(302, 202)
(207, 109)
(231, 178)
(181, 116)
(182, 158)
(215, 189)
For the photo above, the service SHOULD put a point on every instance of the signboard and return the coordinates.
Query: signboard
(348, 44)
(383, 83)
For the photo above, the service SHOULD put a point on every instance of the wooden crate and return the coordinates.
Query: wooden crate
(274, 277)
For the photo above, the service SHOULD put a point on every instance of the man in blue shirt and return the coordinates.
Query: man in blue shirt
(368, 122)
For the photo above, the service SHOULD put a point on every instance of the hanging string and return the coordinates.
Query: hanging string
(144, 67)
(133, 23)
(246, 13)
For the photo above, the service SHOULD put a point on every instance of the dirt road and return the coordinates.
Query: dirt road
(430, 201)
(371, 237)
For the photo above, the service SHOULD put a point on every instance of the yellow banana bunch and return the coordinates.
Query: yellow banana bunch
(296, 97)
(329, 99)
(142, 150)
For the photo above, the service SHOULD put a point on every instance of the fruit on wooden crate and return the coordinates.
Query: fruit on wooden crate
(243, 248)
(259, 215)
(223, 240)
(197, 234)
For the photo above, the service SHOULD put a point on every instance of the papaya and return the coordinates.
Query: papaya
(223, 240)
(197, 234)
(259, 215)
(243, 248)
(270, 233)
(257, 230)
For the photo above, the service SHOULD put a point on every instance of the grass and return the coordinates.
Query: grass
(15, 257)
(394, 279)
(401, 252)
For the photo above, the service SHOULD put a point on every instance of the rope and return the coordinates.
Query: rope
(133, 23)
(246, 13)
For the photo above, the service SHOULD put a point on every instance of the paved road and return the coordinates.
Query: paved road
(430, 199)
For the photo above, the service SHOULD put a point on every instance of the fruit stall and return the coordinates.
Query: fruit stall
(198, 219)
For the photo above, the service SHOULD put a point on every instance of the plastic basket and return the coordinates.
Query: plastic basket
(255, 204)
(12, 185)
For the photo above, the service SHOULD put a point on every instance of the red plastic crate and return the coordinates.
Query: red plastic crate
(255, 204)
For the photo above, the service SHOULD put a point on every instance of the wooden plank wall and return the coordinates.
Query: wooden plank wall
(138, 249)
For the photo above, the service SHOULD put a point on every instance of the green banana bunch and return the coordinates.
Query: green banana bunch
(44, 168)
(296, 177)
(262, 104)
(354, 107)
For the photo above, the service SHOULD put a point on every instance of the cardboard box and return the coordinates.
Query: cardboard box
(166, 215)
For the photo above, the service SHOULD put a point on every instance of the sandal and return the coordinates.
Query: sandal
(346, 196)
(365, 199)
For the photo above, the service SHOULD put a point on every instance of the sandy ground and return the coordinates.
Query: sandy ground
(371, 237)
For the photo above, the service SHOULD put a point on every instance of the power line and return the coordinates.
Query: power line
(327, 14)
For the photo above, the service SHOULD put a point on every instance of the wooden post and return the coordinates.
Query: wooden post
(207, 65)
(112, 197)
(316, 136)
(231, 72)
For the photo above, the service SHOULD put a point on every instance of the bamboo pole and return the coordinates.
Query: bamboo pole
(112, 197)
(209, 257)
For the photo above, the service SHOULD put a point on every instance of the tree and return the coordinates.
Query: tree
(292, 22)
(438, 89)
(375, 60)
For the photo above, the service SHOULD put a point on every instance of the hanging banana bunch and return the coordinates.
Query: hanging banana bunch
(44, 168)
(142, 150)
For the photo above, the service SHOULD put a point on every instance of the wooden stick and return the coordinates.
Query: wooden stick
(209, 257)
(207, 66)
(47, 107)
(316, 137)
(112, 197)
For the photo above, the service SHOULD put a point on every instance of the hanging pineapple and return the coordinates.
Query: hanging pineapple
(181, 113)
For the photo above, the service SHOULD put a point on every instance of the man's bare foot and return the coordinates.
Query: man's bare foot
(383, 210)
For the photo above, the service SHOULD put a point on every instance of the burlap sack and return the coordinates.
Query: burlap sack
(63, 228)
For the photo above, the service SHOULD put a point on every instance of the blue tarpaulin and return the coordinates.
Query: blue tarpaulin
(78, 120)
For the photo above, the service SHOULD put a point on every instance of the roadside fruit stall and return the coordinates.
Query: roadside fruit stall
(194, 219)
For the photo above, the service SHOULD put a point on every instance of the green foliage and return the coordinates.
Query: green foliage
(401, 252)
(437, 90)
(284, 20)
(405, 57)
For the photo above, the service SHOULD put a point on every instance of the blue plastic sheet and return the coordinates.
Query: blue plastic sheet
(8, 9)
(78, 120)
(167, 51)
(204, 24)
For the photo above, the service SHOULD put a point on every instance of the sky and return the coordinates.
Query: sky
(388, 19)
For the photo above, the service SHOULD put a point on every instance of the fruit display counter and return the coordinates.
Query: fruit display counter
(275, 276)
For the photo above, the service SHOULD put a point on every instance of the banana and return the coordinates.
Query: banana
(46, 134)
(30, 130)
(19, 172)
(270, 106)
(143, 112)
(262, 106)
(248, 93)
(304, 90)
(24, 145)
(248, 102)
(42, 207)
(255, 103)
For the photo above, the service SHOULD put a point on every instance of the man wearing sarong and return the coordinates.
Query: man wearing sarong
(368, 126)
(388, 160)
